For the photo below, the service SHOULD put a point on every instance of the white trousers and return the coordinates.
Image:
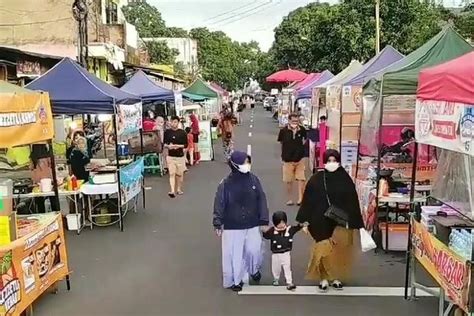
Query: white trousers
(279, 261)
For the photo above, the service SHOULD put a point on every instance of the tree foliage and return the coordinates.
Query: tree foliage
(160, 53)
(225, 61)
(323, 36)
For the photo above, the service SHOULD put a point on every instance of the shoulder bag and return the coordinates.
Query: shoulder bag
(337, 214)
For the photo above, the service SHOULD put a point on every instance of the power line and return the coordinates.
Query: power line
(227, 12)
(242, 13)
(37, 22)
(262, 8)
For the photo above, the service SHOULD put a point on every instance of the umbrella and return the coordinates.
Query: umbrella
(288, 75)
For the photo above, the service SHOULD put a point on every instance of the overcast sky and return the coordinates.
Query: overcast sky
(242, 20)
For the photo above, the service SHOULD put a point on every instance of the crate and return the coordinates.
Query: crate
(397, 236)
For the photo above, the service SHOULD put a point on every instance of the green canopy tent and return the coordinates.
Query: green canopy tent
(200, 91)
(391, 93)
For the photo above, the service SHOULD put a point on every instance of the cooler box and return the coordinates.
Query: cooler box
(397, 236)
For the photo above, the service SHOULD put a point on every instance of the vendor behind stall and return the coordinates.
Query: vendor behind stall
(41, 169)
(79, 158)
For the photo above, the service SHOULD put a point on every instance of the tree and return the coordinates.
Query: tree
(160, 53)
(146, 18)
(464, 22)
(323, 36)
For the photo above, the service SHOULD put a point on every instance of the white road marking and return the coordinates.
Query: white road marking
(148, 188)
(251, 125)
(312, 290)
(250, 134)
(249, 150)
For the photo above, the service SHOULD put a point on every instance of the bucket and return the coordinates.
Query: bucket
(46, 185)
(72, 220)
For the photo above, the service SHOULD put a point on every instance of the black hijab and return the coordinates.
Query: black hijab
(341, 192)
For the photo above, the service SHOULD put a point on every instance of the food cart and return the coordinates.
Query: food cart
(445, 119)
(33, 252)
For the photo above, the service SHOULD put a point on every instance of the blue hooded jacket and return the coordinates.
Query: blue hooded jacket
(240, 202)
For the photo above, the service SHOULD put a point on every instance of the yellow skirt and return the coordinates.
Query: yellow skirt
(331, 259)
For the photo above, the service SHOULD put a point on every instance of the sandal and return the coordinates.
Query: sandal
(180, 193)
(291, 287)
(323, 286)
(290, 203)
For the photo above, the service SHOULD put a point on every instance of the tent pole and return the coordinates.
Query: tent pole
(379, 158)
(119, 193)
(359, 135)
(143, 178)
(55, 178)
(412, 209)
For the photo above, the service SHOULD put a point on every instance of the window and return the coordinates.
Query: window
(111, 12)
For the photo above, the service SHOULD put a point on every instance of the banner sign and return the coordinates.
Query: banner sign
(129, 119)
(25, 119)
(399, 103)
(333, 97)
(131, 180)
(315, 97)
(447, 125)
(205, 141)
(351, 98)
(451, 272)
(31, 264)
(178, 102)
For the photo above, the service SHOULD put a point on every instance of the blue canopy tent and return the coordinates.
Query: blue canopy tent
(141, 85)
(73, 90)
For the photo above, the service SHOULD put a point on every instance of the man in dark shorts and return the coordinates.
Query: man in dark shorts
(176, 140)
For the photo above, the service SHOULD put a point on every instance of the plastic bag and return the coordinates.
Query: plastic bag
(366, 241)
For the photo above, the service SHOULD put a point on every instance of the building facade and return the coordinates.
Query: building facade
(187, 48)
(48, 27)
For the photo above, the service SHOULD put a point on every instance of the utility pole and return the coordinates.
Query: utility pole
(377, 26)
(80, 13)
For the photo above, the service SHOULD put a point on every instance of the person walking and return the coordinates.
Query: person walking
(195, 130)
(226, 126)
(175, 140)
(240, 209)
(332, 250)
(292, 139)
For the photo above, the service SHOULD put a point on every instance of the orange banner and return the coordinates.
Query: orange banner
(451, 272)
(31, 264)
(25, 118)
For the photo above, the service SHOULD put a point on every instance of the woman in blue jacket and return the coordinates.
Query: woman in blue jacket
(240, 209)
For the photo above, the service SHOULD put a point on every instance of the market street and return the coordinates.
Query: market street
(168, 259)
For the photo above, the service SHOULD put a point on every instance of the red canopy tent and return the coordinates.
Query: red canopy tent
(288, 75)
(452, 81)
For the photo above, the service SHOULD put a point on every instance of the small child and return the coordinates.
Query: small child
(281, 237)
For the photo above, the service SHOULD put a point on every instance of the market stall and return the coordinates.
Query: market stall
(384, 168)
(200, 91)
(73, 90)
(442, 234)
(351, 102)
(33, 252)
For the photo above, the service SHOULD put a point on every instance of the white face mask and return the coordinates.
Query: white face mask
(245, 168)
(331, 166)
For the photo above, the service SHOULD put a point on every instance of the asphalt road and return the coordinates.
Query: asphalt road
(167, 261)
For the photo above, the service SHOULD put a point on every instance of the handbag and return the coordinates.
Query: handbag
(337, 214)
(367, 243)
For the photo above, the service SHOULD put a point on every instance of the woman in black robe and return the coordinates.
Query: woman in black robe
(332, 251)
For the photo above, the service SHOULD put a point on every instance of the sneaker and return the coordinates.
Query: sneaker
(172, 195)
(276, 282)
(256, 277)
(337, 285)
(323, 286)
(291, 287)
(290, 203)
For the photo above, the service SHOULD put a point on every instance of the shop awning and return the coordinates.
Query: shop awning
(141, 85)
(25, 116)
(306, 91)
(199, 91)
(401, 78)
(452, 81)
(386, 57)
(73, 90)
